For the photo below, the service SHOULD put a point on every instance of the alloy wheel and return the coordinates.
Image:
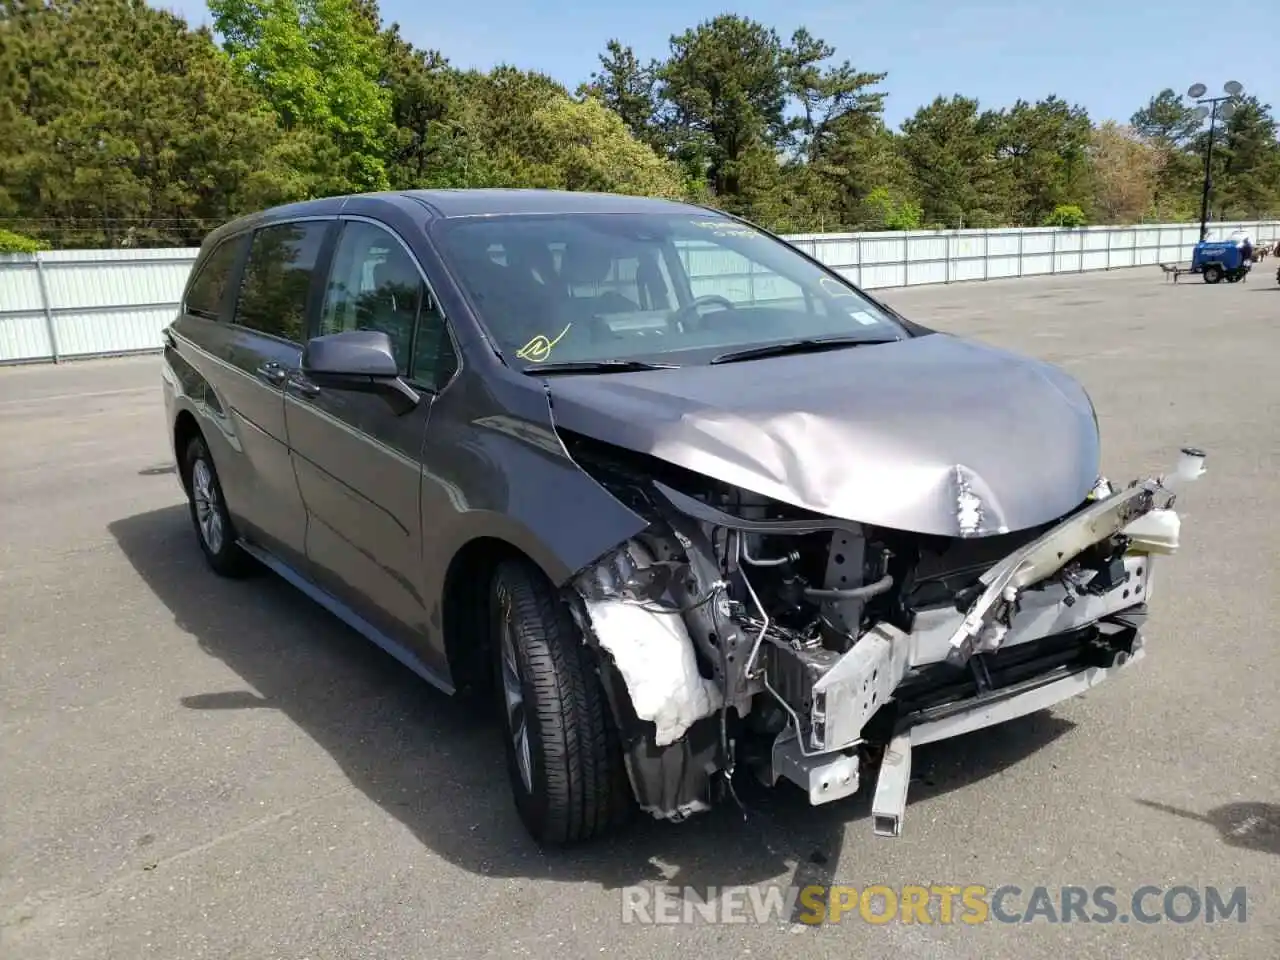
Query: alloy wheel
(513, 698)
(204, 492)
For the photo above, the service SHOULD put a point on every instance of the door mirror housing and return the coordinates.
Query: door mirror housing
(352, 353)
(359, 360)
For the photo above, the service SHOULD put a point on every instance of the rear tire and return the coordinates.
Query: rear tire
(214, 529)
(563, 755)
(1212, 273)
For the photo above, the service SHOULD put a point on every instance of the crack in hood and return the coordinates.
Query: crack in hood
(934, 434)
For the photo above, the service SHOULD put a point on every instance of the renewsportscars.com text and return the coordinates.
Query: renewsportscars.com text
(943, 904)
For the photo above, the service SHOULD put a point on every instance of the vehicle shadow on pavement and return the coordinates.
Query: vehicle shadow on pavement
(436, 763)
(1248, 826)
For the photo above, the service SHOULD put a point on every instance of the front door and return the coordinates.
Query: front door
(357, 456)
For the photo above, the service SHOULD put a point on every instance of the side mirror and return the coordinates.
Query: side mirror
(360, 360)
(352, 353)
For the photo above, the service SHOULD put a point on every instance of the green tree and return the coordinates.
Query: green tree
(726, 86)
(499, 115)
(119, 124)
(1247, 180)
(952, 165)
(516, 128)
(587, 146)
(1167, 119)
(835, 100)
(11, 242)
(1042, 152)
(885, 210)
(1170, 124)
(628, 88)
(432, 145)
(842, 149)
(319, 63)
(1065, 215)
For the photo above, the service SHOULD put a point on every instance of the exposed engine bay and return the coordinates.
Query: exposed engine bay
(738, 630)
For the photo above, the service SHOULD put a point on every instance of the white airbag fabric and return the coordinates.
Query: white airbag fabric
(654, 654)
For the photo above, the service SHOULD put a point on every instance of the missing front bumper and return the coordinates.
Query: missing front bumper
(889, 804)
(940, 704)
(694, 673)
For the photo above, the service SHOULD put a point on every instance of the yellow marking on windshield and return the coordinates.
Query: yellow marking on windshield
(539, 348)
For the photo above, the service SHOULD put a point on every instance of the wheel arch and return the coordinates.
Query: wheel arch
(464, 608)
(185, 429)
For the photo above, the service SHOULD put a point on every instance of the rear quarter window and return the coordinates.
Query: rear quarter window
(208, 289)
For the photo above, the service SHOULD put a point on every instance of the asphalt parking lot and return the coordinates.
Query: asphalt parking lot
(191, 767)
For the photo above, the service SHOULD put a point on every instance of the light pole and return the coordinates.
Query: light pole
(1212, 111)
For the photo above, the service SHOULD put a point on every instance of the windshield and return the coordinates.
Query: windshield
(671, 288)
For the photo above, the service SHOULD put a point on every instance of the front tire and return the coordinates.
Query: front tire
(214, 529)
(563, 756)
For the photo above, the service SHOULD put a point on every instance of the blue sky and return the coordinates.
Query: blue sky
(1110, 57)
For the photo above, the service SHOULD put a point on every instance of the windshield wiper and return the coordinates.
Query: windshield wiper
(596, 366)
(806, 345)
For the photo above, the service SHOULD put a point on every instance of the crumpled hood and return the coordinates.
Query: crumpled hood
(934, 434)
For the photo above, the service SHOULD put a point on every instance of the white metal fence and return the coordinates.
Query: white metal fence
(84, 303)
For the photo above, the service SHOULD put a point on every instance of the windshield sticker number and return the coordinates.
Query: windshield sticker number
(837, 291)
(539, 348)
(725, 228)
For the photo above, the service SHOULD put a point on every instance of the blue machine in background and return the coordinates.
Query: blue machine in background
(1216, 259)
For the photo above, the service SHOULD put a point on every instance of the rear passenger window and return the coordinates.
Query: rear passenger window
(277, 278)
(208, 291)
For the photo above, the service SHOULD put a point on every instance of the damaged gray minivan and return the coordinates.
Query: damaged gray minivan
(682, 500)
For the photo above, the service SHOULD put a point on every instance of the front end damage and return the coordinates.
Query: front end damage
(737, 630)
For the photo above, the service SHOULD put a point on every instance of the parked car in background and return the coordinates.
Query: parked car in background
(680, 498)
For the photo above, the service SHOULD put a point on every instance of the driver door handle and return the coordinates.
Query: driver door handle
(302, 386)
(273, 373)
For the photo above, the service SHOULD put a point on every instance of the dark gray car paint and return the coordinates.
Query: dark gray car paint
(358, 471)
(886, 434)
(241, 375)
(370, 509)
(248, 442)
(362, 353)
